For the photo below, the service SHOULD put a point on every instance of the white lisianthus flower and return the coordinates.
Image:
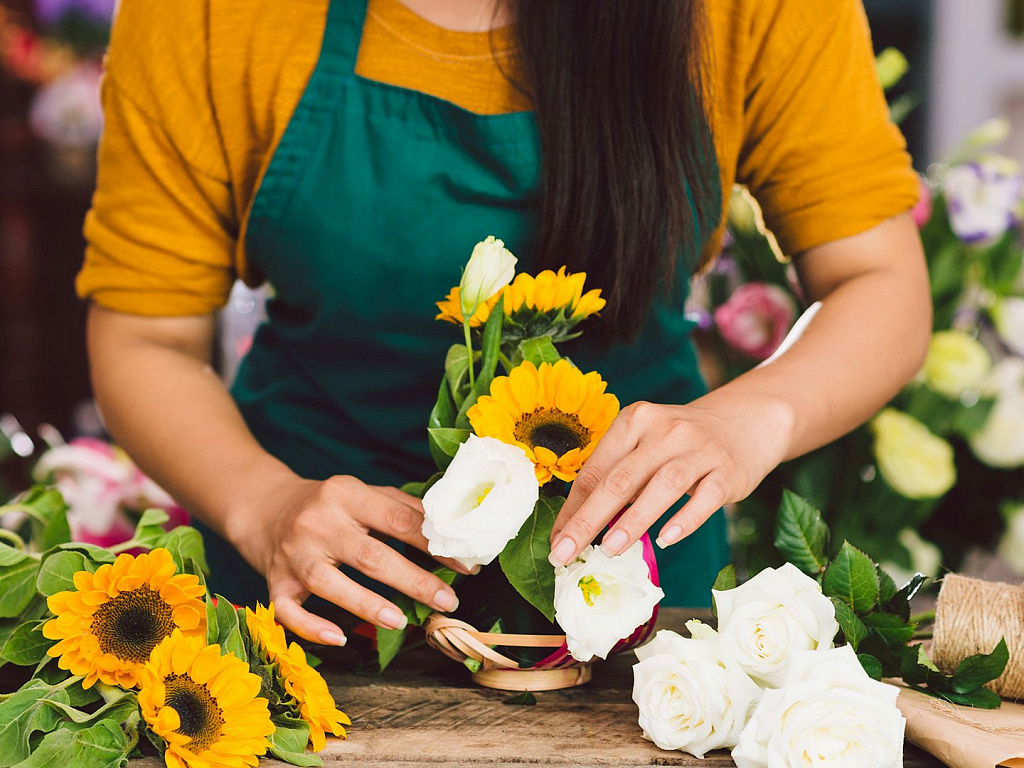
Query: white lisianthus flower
(1011, 545)
(690, 695)
(764, 621)
(1008, 317)
(600, 600)
(487, 493)
(984, 198)
(915, 462)
(1000, 442)
(955, 363)
(491, 267)
(828, 713)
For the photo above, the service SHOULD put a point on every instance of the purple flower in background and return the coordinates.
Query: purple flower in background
(52, 12)
(984, 198)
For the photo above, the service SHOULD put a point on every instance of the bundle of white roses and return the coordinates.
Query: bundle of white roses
(770, 684)
(506, 444)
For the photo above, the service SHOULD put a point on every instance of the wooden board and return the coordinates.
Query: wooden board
(426, 711)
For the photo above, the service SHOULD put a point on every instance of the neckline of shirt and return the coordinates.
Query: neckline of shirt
(429, 39)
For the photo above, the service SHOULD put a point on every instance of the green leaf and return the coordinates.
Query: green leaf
(525, 559)
(11, 555)
(852, 578)
(17, 587)
(445, 443)
(892, 629)
(444, 411)
(212, 625)
(56, 574)
(229, 633)
(103, 745)
(801, 536)
(49, 517)
(852, 627)
(886, 586)
(726, 579)
(981, 698)
(389, 643)
(35, 610)
(974, 671)
(24, 714)
(149, 532)
(289, 739)
(99, 554)
(524, 699)
(538, 350)
(456, 371)
(871, 665)
(27, 646)
(186, 543)
(900, 603)
(421, 611)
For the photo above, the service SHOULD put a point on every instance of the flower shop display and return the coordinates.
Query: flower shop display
(119, 646)
(795, 667)
(953, 439)
(513, 424)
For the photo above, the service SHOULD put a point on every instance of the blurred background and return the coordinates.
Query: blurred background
(964, 66)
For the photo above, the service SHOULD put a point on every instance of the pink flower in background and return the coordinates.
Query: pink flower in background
(756, 319)
(104, 490)
(922, 212)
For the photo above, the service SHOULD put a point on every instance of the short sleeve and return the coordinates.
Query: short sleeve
(820, 153)
(161, 230)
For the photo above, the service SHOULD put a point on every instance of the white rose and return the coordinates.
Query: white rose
(690, 695)
(490, 268)
(487, 493)
(925, 557)
(779, 611)
(915, 462)
(600, 600)
(1011, 545)
(1000, 442)
(1008, 316)
(827, 713)
(955, 363)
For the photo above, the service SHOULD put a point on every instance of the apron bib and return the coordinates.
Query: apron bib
(369, 209)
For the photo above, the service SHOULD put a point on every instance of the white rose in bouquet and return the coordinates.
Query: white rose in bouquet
(1000, 442)
(955, 363)
(490, 268)
(1011, 545)
(829, 713)
(763, 622)
(915, 462)
(691, 696)
(487, 493)
(600, 600)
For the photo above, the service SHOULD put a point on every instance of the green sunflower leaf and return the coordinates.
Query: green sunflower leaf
(444, 411)
(289, 739)
(801, 536)
(58, 569)
(149, 532)
(456, 371)
(103, 745)
(17, 587)
(49, 517)
(35, 610)
(445, 443)
(229, 632)
(99, 554)
(186, 544)
(26, 645)
(24, 714)
(852, 578)
(11, 555)
(525, 559)
(212, 626)
(537, 351)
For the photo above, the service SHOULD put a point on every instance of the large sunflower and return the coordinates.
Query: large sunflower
(205, 706)
(301, 681)
(555, 413)
(113, 619)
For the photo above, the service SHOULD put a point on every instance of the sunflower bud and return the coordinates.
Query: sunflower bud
(490, 268)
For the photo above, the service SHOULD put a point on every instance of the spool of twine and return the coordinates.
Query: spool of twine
(971, 617)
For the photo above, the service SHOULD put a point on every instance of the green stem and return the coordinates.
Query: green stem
(124, 546)
(505, 362)
(16, 541)
(469, 352)
(918, 618)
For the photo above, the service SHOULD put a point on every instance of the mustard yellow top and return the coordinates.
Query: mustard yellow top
(198, 92)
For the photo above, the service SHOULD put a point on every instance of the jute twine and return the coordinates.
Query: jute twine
(971, 616)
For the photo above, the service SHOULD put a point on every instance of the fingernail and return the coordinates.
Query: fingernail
(475, 570)
(445, 600)
(392, 617)
(669, 536)
(332, 637)
(614, 542)
(562, 551)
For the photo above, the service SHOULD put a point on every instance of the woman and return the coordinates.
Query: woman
(352, 153)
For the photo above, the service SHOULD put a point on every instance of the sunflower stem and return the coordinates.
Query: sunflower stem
(469, 352)
(16, 541)
(505, 362)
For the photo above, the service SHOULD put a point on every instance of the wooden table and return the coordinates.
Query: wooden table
(425, 711)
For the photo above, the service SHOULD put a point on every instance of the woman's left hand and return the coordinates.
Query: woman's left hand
(655, 454)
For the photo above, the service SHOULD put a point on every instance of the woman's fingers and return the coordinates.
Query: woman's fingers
(400, 516)
(287, 595)
(710, 494)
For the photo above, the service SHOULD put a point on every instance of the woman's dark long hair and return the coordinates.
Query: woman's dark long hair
(620, 97)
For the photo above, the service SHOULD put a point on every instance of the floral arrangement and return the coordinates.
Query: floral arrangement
(795, 666)
(953, 439)
(118, 646)
(506, 443)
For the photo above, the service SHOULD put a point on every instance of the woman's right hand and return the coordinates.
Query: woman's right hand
(302, 531)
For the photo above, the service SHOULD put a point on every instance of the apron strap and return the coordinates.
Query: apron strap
(342, 35)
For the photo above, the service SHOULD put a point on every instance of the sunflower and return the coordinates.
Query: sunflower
(450, 310)
(555, 413)
(113, 619)
(205, 706)
(301, 681)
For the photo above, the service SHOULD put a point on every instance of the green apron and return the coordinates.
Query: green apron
(365, 217)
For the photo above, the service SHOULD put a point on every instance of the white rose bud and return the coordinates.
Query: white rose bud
(491, 267)
(955, 363)
(779, 611)
(487, 493)
(691, 696)
(1000, 442)
(915, 462)
(829, 713)
(600, 600)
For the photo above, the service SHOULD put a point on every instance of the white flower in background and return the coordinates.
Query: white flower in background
(67, 112)
(915, 462)
(828, 712)
(955, 363)
(491, 267)
(487, 493)
(691, 697)
(1000, 442)
(771, 616)
(925, 558)
(1011, 545)
(984, 198)
(1008, 317)
(600, 600)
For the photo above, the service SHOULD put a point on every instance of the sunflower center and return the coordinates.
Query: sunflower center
(201, 718)
(131, 625)
(550, 428)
